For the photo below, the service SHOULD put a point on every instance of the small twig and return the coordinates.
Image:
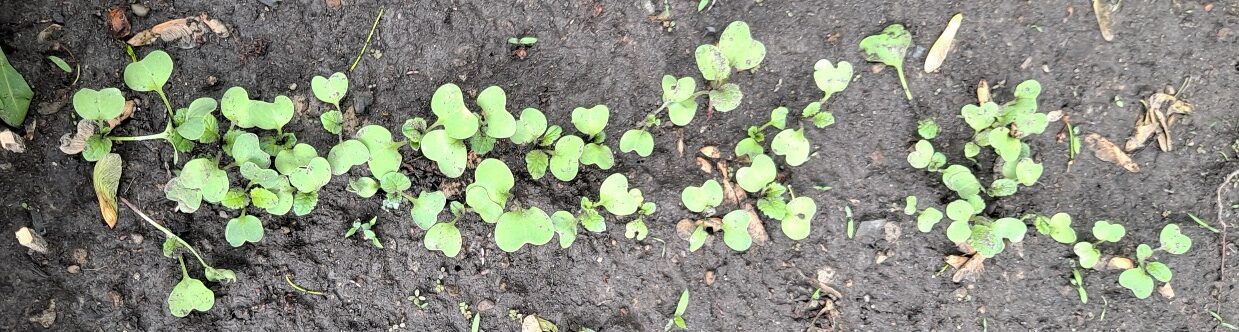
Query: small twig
(1222, 244)
(299, 288)
(373, 27)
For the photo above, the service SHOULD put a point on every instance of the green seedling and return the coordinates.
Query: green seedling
(831, 78)
(736, 50)
(15, 99)
(200, 180)
(680, 99)
(703, 199)
(488, 194)
(639, 139)
(418, 299)
(1222, 322)
(566, 226)
(1139, 279)
(1057, 227)
(1103, 231)
(189, 294)
(889, 47)
(758, 174)
(523, 41)
(909, 207)
(244, 112)
(444, 236)
(736, 230)
(529, 226)
(851, 227)
(1202, 223)
(1078, 281)
(331, 90)
(617, 198)
(591, 122)
(677, 318)
(367, 233)
(923, 156)
(636, 229)
(927, 128)
(245, 228)
(60, 63)
(444, 140)
(790, 143)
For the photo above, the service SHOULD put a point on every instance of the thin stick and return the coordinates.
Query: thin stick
(373, 27)
(299, 288)
(1220, 208)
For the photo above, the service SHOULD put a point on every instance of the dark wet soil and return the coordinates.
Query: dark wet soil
(610, 52)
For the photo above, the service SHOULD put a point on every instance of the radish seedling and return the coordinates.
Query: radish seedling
(15, 103)
(189, 294)
(640, 140)
(614, 196)
(637, 229)
(702, 199)
(489, 192)
(1103, 231)
(444, 140)
(736, 50)
(244, 112)
(367, 233)
(1057, 227)
(517, 228)
(1139, 279)
(566, 226)
(331, 90)
(677, 318)
(591, 122)
(444, 236)
(889, 47)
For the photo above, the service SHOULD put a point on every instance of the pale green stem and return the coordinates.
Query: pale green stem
(904, 81)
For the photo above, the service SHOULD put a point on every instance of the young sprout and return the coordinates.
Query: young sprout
(677, 318)
(591, 121)
(1103, 231)
(753, 178)
(889, 47)
(444, 236)
(331, 90)
(736, 50)
(523, 41)
(703, 198)
(189, 294)
(1058, 227)
(566, 226)
(637, 229)
(488, 194)
(367, 233)
(1139, 279)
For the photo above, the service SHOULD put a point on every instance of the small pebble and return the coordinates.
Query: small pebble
(709, 277)
(137, 238)
(74, 269)
(139, 10)
(292, 87)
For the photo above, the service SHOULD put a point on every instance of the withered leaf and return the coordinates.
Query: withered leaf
(756, 227)
(106, 179)
(188, 32)
(124, 115)
(74, 143)
(1106, 151)
(971, 270)
(118, 23)
(937, 53)
(11, 141)
(1101, 8)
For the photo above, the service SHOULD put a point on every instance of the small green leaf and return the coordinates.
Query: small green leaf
(531, 125)
(792, 144)
(754, 177)
(292, 160)
(565, 160)
(330, 89)
(243, 229)
(591, 121)
(831, 78)
(188, 295)
(1137, 281)
(697, 239)
(1003, 187)
(1159, 271)
(1143, 252)
(517, 228)
(427, 207)
(394, 182)
(312, 176)
(738, 46)
(615, 196)
(1010, 228)
(889, 47)
(958, 231)
(347, 154)
(922, 153)
(237, 107)
(597, 154)
(986, 240)
(566, 226)
(60, 63)
(636, 230)
(499, 123)
(1006, 146)
(443, 237)
(678, 90)
(150, 73)
(1105, 231)
(736, 230)
(448, 104)
(1173, 240)
(726, 98)
(749, 147)
(1057, 227)
(712, 64)
(235, 199)
(1028, 171)
(637, 140)
(332, 121)
(15, 96)
(304, 202)
(698, 199)
(927, 128)
(197, 122)
(799, 217)
(909, 207)
(100, 105)
(536, 162)
(263, 198)
(980, 117)
(960, 210)
(927, 219)
(960, 179)
(1088, 255)
(448, 153)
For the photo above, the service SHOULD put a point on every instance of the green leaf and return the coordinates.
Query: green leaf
(980, 117)
(678, 90)
(291, 160)
(637, 140)
(448, 104)
(736, 230)
(636, 230)
(697, 239)
(726, 98)
(592, 220)
(332, 121)
(738, 46)
(958, 231)
(150, 73)
(536, 162)
(799, 217)
(263, 198)
(1031, 123)
(1159, 271)
(235, 199)
(960, 179)
(889, 47)
(566, 226)
(772, 207)
(922, 153)
(565, 160)
(1006, 146)
(754, 177)
(499, 123)
(443, 237)
(394, 182)
(347, 154)
(909, 207)
(101, 105)
(1010, 228)
(597, 154)
(197, 122)
(237, 107)
(285, 201)
(517, 228)
(1137, 281)
(960, 210)
(243, 229)
(1057, 227)
(831, 78)
(330, 89)
(448, 153)
(1173, 240)
(426, 208)
(1028, 171)
(823, 119)
(97, 146)
(698, 199)
(311, 176)
(1003, 187)
(187, 200)
(681, 306)
(531, 125)
(188, 295)
(591, 121)
(1105, 231)
(494, 174)
(749, 147)
(927, 219)
(986, 241)
(927, 128)
(793, 145)
(1143, 252)
(712, 63)
(15, 94)
(682, 113)
(552, 134)
(615, 196)
(304, 202)
(1088, 255)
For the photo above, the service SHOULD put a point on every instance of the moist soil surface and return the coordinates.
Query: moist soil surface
(611, 52)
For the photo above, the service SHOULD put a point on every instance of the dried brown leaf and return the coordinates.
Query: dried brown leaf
(11, 141)
(74, 143)
(705, 165)
(711, 151)
(1166, 291)
(106, 179)
(333, 4)
(1145, 128)
(937, 53)
(971, 270)
(956, 261)
(1119, 263)
(118, 23)
(124, 115)
(1105, 21)
(1106, 151)
(983, 92)
(756, 228)
(685, 227)
(188, 32)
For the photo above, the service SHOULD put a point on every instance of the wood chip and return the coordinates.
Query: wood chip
(29, 239)
(1106, 151)
(937, 53)
(1166, 291)
(1104, 20)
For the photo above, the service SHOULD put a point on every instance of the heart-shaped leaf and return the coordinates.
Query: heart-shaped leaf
(615, 196)
(922, 153)
(1010, 228)
(197, 122)
(531, 125)
(243, 229)
(313, 175)
(426, 208)
(347, 154)
(754, 177)
(1006, 146)
(365, 187)
(738, 46)
(712, 64)
(100, 105)
(1173, 240)
(330, 89)
(986, 240)
(565, 160)
(237, 107)
(1003, 188)
(960, 179)
(698, 199)
(1137, 281)
(927, 219)
(150, 73)
(289, 161)
(749, 147)
(597, 154)
(1087, 254)
(980, 117)
(1028, 171)
(831, 78)
(960, 210)
(394, 182)
(188, 295)
(1159, 271)
(448, 103)
(517, 228)
(637, 140)
(448, 153)
(678, 90)
(16, 95)
(565, 226)
(494, 104)
(591, 121)
(1105, 231)
(792, 144)
(736, 230)
(799, 217)
(726, 98)
(958, 231)
(245, 148)
(1057, 227)
(443, 237)
(889, 47)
